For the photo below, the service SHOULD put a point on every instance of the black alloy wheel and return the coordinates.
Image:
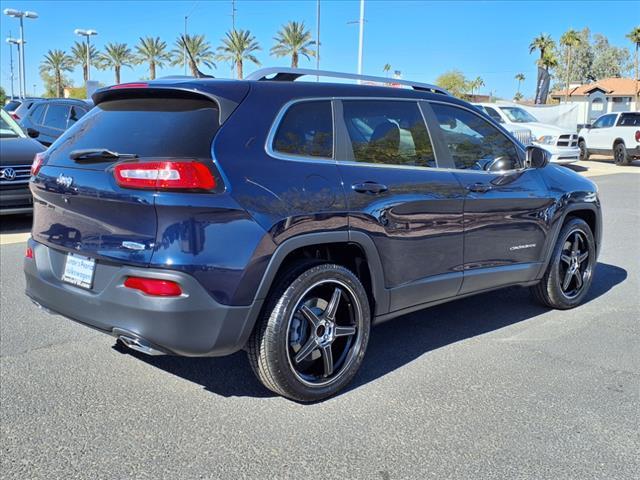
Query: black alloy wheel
(574, 264)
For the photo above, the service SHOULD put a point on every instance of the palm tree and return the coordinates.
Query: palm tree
(295, 40)
(520, 78)
(154, 52)
(634, 36)
(79, 56)
(238, 46)
(476, 84)
(569, 40)
(517, 97)
(116, 56)
(544, 43)
(549, 61)
(55, 63)
(386, 69)
(200, 53)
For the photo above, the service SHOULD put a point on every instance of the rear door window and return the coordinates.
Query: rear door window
(388, 131)
(180, 128)
(76, 114)
(56, 116)
(306, 130)
(629, 120)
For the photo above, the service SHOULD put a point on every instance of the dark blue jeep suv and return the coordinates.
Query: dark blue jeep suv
(199, 217)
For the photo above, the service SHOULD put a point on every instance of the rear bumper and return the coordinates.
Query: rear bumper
(16, 200)
(193, 324)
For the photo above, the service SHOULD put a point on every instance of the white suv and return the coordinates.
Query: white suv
(616, 134)
(560, 142)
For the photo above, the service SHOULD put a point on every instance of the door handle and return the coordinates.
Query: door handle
(369, 187)
(479, 187)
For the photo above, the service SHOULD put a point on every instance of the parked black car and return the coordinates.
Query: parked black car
(17, 152)
(46, 119)
(200, 216)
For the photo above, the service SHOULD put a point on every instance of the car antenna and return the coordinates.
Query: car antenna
(199, 73)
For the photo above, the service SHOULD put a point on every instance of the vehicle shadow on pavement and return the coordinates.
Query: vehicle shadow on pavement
(392, 344)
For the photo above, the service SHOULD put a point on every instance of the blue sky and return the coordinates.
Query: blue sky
(420, 38)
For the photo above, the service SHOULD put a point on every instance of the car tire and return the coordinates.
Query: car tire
(313, 333)
(584, 152)
(620, 156)
(570, 270)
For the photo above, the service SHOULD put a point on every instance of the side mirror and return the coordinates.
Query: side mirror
(32, 132)
(536, 157)
(588, 126)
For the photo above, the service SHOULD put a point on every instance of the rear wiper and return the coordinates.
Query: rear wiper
(98, 154)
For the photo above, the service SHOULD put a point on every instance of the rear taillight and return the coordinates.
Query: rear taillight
(170, 175)
(37, 163)
(15, 116)
(29, 252)
(637, 135)
(154, 286)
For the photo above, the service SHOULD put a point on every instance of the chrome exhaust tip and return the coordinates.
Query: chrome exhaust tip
(139, 345)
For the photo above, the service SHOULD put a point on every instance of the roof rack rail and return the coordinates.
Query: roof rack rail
(283, 74)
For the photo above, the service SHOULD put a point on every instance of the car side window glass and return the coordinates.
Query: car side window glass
(473, 142)
(604, 121)
(629, 120)
(389, 132)
(76, 114)
(306, 130)
(609, 121)
(56, 116)
(494, 114)
(38, 113)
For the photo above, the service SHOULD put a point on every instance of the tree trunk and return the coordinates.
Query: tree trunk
(294, 60)
(637, 79)
(519, 82)
(194, 68)
(566, 93)
(152, 70)
(85, 71)
(58, 76)
(239, 67)
(117, 70)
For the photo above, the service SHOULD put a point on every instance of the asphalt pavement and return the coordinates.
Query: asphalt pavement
(491, 386)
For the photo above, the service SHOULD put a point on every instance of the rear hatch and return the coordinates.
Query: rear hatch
(80, 205)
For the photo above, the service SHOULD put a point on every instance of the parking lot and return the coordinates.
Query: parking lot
(491, 386)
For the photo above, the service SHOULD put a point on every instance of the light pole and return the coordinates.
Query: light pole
(318, 38)
(88, 34)
(11, 42)
(361, 37)
(21, 15)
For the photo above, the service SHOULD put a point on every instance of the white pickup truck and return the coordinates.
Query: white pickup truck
(561, 143)
(616, 134)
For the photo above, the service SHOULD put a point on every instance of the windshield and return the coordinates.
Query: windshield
(518, 115)
(8, 127)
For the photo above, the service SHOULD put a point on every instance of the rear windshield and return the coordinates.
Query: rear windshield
(629, 120)
(12, 105)
(148, 127)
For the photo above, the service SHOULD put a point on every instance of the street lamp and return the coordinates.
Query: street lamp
(21, 15)
(16, 42)
(87, 33)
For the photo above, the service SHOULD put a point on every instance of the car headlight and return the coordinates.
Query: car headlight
(547, 139)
